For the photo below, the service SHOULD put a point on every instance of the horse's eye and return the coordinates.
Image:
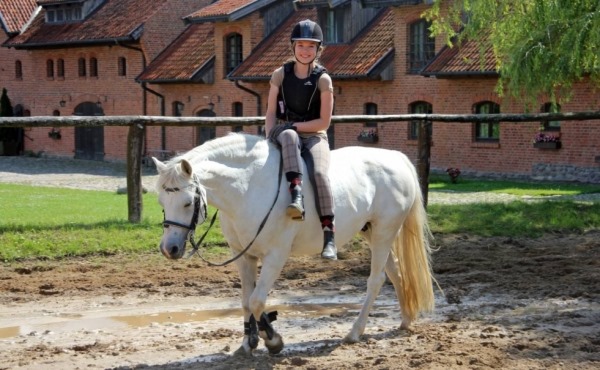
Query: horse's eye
(188, 204)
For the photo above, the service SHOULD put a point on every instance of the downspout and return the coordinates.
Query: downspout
(163, 132)
(257, 95)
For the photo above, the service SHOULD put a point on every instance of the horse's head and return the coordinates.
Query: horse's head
(183, 200)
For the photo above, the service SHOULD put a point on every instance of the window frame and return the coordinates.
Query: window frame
(492, 127)
(60, 68)
(122, 66)
(237, 110)
(50, 68)
(421, 46)
(18, 69)
(370, 109)
(413, 126)
(549, 107)
(93, 67)
(233, 51)
(82, 67)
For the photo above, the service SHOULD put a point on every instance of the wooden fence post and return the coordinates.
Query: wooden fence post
(135, 145)
(424, 158)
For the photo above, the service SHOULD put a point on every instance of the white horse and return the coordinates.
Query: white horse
(376, 192)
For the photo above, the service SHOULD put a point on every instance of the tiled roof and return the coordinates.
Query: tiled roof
(115, 20)
(310, 3)
(14, 14)
(357, 59)
(226, 9)
(463, 60)
(184, 58)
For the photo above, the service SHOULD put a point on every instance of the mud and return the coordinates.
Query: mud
(509, 303)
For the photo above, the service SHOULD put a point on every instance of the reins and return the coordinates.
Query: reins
(192, 226)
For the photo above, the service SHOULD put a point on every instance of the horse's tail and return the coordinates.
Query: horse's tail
(412, 251)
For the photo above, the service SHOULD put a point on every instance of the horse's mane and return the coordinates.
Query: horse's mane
(234, 145)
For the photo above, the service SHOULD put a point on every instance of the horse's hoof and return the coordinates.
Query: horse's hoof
(242, 352)
(274, 345)
(351, 339)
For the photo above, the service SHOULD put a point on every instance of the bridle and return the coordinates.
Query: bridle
(200, 197)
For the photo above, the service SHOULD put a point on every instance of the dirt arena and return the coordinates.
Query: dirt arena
(509, 304)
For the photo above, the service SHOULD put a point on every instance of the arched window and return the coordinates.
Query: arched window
(122, 66)
(371, 110)
(50, 68)
(81, 66)
(93, 67)
(18, 70)
(60, 68)
(177, 109)
(233, 51)
(551, 108)
(419, 107)
(487, 131)
(237, 111)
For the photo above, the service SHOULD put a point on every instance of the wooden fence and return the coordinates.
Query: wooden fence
(137, 125)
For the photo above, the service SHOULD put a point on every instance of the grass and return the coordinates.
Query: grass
(54, 223)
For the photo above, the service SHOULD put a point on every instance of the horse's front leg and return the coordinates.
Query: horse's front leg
(247, 269)
(272, 265)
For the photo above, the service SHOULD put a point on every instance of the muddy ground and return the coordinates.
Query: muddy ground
(510, 303)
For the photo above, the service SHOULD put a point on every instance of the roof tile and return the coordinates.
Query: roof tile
(16, 13)
(184, 57)
(220, 8)
(353, 60)
(114, 20)
(466, 59)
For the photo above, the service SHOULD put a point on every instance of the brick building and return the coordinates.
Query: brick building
(204, 58)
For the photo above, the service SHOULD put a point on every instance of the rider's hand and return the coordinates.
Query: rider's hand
(278, 129)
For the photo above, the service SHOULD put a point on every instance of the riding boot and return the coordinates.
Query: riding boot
(296, 208)
(329, 249)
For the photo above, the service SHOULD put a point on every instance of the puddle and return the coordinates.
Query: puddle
(137, 321)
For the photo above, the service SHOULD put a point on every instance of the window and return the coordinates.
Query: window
(233, 52)
(422, 46)
(419, 107)
(371, 110)
(18, 70)
(93, 67)
(551, 108)
(177, 109)
(50, 68)
(334, 25)
(122, 66)
(60, 14)
(238, 111)
(60, 68)
(487, 131)
(81, 67)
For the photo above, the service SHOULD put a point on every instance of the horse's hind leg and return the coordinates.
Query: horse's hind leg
(248, 268)
(379, 255)
(391, 269)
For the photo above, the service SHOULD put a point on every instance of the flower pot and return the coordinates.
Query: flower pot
(367, 139)
(547, 145)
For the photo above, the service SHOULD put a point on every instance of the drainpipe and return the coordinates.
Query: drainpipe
(257, 95)
(163, 132)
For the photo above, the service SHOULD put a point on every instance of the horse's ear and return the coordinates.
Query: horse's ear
(160, 167)
(187, 167)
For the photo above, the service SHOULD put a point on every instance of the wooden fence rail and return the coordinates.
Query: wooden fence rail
(137, 125)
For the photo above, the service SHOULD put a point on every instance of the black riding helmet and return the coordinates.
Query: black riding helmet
(307, 30)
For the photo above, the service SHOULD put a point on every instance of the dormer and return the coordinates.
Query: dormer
(68, 11)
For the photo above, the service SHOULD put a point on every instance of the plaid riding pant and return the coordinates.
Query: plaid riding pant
(315, 151)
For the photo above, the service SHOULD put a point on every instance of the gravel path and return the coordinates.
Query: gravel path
(93, 175)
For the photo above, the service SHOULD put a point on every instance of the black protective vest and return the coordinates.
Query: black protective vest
(299, 100)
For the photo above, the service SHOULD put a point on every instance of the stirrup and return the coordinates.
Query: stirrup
(295, 212)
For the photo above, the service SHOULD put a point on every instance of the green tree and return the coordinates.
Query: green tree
(542, 47)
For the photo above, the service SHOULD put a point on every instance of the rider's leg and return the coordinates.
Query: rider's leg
(290, 151)
(316, 154)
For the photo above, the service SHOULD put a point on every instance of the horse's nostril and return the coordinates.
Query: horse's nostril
(174, 249)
